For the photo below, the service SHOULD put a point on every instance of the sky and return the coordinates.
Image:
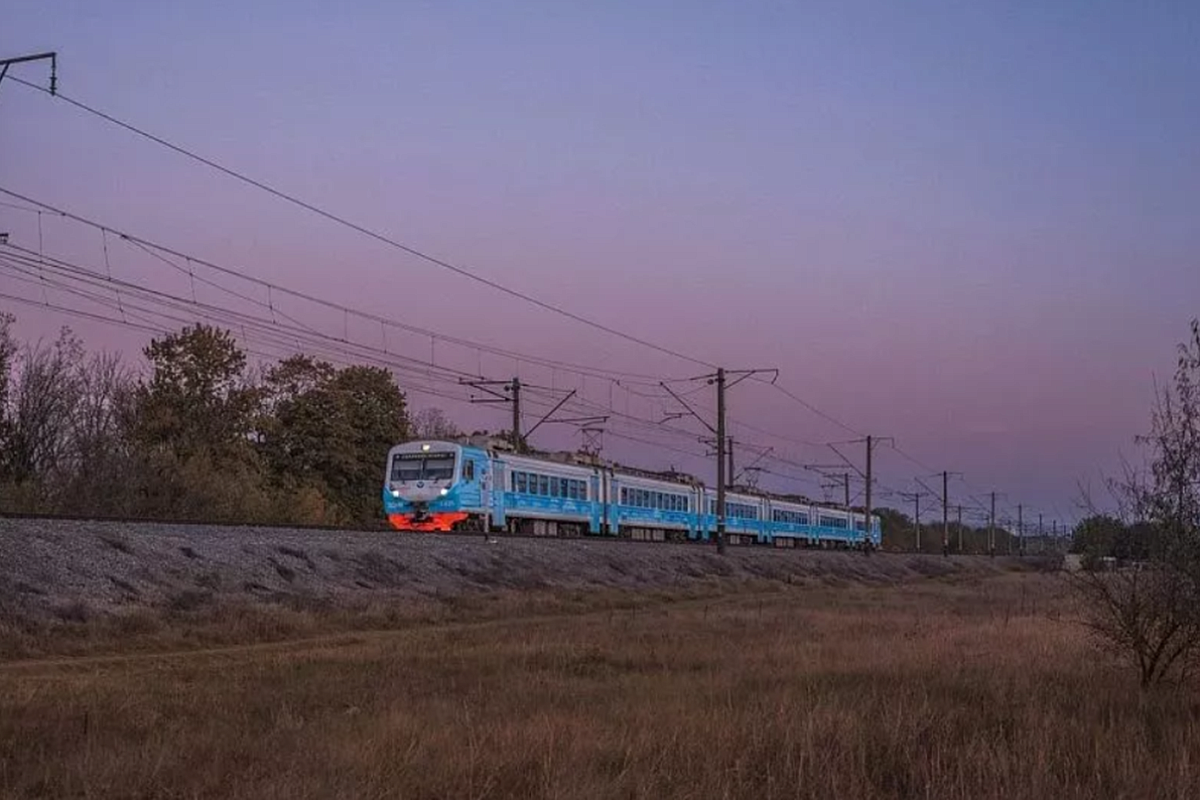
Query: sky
(969, 227)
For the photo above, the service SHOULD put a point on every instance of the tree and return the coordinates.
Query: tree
(432, 423)
(193, 429)
(102, 460)
(8, 351)
(1095, 538)
(197, 400)
(1149, 613)
(44, 399)
(331, 429)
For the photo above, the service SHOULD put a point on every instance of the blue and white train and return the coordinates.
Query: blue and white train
(444, 486)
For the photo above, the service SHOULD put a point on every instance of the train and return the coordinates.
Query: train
(448, 486)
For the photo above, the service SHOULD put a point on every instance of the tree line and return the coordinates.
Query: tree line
(199, 435)
(899, 533)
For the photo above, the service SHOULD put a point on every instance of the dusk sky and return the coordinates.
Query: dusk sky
(969, 226)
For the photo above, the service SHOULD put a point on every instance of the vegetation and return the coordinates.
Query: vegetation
(1147, 609)
(899, 533)
(197, 437)
(931, 689)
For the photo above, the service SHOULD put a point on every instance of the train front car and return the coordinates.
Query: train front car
(434, 486)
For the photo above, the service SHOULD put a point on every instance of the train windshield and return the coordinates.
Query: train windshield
(422, 467)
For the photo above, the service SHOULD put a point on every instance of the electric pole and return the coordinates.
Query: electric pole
(945, 513)
(720, 432)
(723, 460)
(1020, 531)
(916, 498)
(729, 470)
(992, 528)
(868, 479)
(960, 531)
(518, 441)
(866, 503)
(846, 484)
(510, 392)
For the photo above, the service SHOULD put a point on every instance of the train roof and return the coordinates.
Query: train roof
(500, 447)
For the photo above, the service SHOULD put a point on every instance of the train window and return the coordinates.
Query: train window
(543, 485)
(554, 487)
(439, 467)
(519, 482)
(468, 470)
(405, 469)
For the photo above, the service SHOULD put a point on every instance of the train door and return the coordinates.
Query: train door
(595, 515)
(498, 478)
(606, 494)
(483, 475)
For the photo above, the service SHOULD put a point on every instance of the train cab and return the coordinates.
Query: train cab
(434, 486)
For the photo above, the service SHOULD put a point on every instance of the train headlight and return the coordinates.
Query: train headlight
(445, 492)
(395, 492)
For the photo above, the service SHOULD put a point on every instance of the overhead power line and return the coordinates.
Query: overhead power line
(158, 249)
(369, 232)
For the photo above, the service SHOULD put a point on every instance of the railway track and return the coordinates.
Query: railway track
(383, 527)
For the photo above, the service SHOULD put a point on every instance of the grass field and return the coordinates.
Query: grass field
(938, 688)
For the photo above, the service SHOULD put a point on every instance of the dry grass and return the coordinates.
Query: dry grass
(932, 689)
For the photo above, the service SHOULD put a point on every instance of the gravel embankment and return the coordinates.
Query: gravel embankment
(48, 565)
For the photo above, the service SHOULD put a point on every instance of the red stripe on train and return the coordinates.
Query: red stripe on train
(441, 522)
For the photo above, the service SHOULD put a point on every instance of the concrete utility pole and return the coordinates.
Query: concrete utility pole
(916, 498)
(960, 532)
(846, 484)
(945, 513)
(917, 517)
(866, 501)
(723, 459)
(992, 528)
(868, 479)
(1020, 531)
(730, 470)
(518, 440)
(720, 432)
